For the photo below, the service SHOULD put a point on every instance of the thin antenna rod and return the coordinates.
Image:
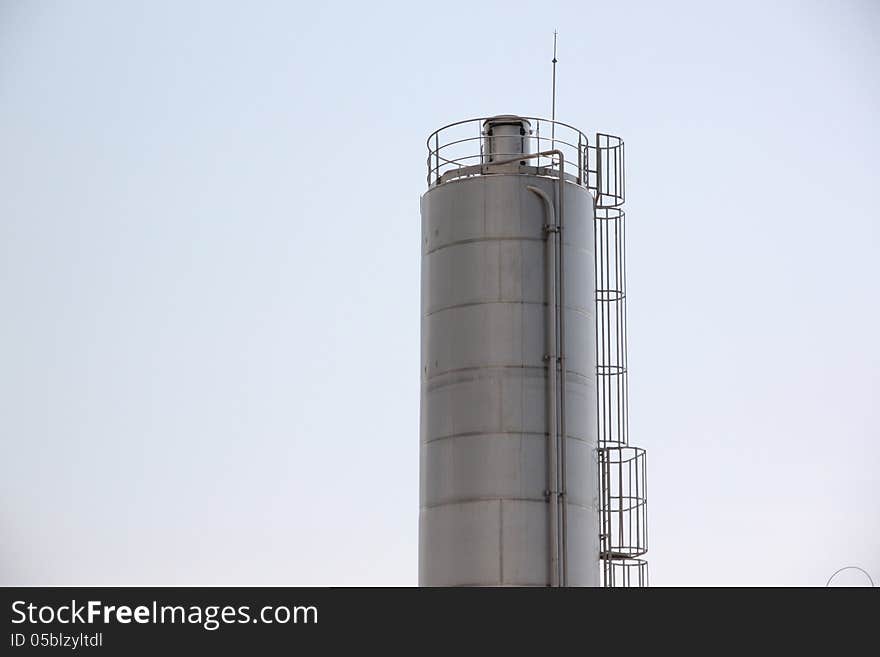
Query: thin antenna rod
(553, 110)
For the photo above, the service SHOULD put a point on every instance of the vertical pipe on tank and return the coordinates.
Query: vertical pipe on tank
(550, 231)
(560, 481)
(560, 240)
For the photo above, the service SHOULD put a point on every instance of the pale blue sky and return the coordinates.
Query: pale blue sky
(209, 264)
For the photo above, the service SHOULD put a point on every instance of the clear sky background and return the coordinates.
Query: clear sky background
(209, 277)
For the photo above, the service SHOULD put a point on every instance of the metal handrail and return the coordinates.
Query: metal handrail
(596, 163)
(483, 119)
(458, 144)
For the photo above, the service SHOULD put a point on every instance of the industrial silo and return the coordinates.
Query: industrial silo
(518, 458)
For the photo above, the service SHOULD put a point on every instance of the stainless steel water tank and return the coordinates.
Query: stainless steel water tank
(485, 515)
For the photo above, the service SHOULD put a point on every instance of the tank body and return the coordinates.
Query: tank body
(484, 516)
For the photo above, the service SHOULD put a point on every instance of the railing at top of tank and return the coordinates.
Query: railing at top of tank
(461, 145)
(458, 149)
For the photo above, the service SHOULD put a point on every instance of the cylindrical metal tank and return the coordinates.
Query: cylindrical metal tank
(486, 513)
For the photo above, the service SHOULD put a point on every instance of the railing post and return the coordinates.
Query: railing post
(580, 160)
(437, 155)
